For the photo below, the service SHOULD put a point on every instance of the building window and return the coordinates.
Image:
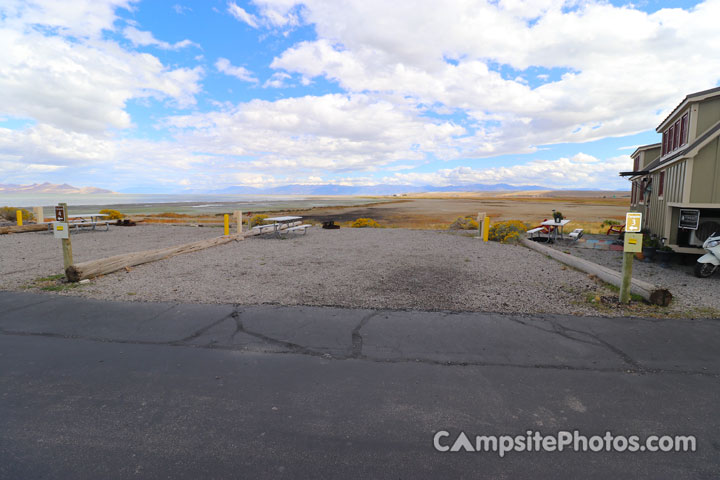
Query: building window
(671, 139)
(642, 191)
(676, 136)
(661, 186)
(636, 163)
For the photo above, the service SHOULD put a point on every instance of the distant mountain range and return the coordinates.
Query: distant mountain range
(294, 189)
(367, 190)
(48, 188)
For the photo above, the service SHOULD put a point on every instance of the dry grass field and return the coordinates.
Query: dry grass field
(436, 211)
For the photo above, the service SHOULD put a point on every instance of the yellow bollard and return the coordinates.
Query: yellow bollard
(227, 224)
(486, 229)
(19, 218)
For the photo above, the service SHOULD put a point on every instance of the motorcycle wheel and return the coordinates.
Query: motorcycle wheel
(704, 270)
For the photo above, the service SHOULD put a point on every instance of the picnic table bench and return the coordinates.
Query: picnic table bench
(276, 227)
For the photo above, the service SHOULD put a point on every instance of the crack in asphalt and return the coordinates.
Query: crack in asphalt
(356, 346)
(294, 349)
(356, 337)
(562, 330)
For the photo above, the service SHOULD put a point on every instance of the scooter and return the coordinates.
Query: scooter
(710, 262)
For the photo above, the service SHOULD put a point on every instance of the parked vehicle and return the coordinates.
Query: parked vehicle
(710, 262)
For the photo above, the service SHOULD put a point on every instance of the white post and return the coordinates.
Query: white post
(481, 224)
(39, 214)
(238, 219)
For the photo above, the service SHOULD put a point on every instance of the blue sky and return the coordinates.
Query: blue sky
(167, 96)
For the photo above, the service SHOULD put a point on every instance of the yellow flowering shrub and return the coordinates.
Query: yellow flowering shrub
(508, 232)
(365, 223)
(466, 223)
(113, 214)
(257, 220)
(10, 214)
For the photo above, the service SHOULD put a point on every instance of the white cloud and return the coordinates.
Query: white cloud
(80, 84)
(181, 9)
(277, 80)
(620, 64)
(324, 134)
(223, 65)
(81, 18)
(579, 171)
(142, 38)
(240, 14)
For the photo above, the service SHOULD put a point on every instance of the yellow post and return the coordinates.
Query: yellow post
(486, 229)
(227, 224)
(19, 218)
(238, 219)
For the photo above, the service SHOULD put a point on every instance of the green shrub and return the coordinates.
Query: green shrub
(257, 220)
(508, 232)
(113, 214)
(466, 223)
(10, 214)
(365, 223)
(609, 222)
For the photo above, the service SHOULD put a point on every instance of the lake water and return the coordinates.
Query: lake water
(190, 204)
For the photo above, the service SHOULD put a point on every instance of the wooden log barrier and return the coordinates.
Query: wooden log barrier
(93, 268)
(654, 294)
(23, 228)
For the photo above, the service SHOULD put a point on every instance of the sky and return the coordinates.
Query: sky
(166, 96)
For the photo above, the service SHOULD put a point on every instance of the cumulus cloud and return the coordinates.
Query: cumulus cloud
(619, 66)
(223, 65)
(79, 84)
(329, 133)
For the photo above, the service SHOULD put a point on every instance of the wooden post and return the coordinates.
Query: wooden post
(626, 277)
(66, 243)
(18, 214)
(486, 229)
(226, 230)
(238, 219)
(481, 222)
(39, 214)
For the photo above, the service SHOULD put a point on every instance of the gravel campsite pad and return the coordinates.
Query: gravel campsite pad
(370, 268)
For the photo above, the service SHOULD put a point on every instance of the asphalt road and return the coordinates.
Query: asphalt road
(92, 389)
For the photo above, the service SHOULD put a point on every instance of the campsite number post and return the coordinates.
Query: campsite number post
(61, 230)
(633, 244)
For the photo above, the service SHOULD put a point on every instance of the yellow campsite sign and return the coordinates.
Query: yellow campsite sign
(633, 222)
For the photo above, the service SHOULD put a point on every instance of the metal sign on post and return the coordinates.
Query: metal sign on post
(62, 231)
(633, 242)
(60, 213)
(632, 245)
(633, 222)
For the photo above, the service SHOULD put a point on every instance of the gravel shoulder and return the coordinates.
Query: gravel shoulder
(366, 268)
(690, 294)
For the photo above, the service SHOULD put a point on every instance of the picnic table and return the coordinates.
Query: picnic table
(78, 220)
(558, 226)
(279, 221)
